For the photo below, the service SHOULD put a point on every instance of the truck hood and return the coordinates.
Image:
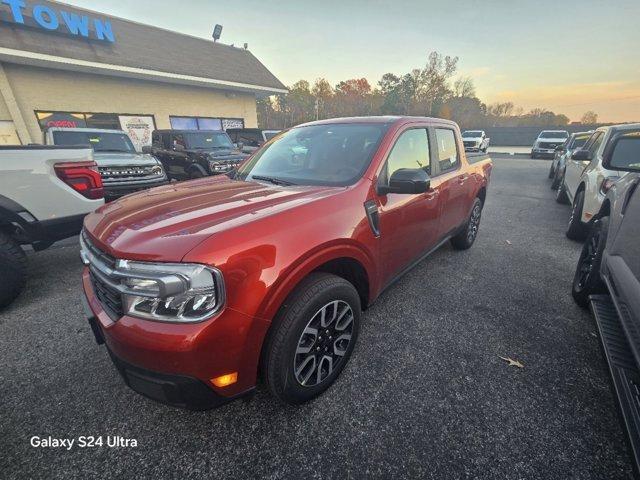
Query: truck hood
(122, 159)
(165, 223)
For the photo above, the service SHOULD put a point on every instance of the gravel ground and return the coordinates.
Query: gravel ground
(425, 394)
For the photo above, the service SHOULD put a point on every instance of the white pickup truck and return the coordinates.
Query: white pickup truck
(475, 141)
(548, 140)
(123, 169)
(45, 192)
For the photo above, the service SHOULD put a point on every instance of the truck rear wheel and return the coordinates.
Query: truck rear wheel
(311, 338)
(465, 238)
(587, 280)
(13, 265)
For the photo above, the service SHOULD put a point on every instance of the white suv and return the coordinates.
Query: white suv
(585, 181)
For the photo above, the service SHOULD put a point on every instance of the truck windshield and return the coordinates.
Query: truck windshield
(208, 140)
(99, 141)
(471, 134)
(332, 155)
(579, 141)
(554, 135)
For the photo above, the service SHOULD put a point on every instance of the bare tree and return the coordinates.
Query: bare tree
(589, 118)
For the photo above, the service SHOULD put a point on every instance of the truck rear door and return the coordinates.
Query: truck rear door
(453, 179)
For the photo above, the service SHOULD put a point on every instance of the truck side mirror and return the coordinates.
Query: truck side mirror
(581, 155)
(623, 153)
(409, 181)
(560, 148)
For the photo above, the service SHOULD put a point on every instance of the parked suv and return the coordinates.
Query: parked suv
(269, 270)
(547, 142)
(608, 276)
(45, 192)
(585, 181)
(250, 139)
(123, 169)
(564, 151)
(188, 154)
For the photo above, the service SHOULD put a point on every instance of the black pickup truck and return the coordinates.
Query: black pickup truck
(187, 154)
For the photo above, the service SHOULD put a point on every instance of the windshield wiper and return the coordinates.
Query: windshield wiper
(275, 181)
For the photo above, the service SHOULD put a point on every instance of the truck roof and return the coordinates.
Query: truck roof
(383, 119)
(171, 130)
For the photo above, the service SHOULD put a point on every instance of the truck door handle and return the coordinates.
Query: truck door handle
(431, 194)
(463, 178)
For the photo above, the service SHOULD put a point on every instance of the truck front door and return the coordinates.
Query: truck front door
(408, 223)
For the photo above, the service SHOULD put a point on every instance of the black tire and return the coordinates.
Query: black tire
(196, 173)
(282, 365)
(576, 230)
(556, 179)
(533, 156)
(587, 280)
(465, 238)
(551, 171)
(13, 265)
(561, 192)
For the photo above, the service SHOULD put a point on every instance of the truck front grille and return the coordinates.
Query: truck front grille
(137, 172)
(469, 143)
(110, 299)
(549, 145)
(100, 264)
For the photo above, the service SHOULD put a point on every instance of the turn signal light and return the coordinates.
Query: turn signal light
(83, 177)
(607, 183)
(225, 380)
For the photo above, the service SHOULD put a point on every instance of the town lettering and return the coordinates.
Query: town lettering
(53, 20)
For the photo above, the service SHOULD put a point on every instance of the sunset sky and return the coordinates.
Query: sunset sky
(568, 56)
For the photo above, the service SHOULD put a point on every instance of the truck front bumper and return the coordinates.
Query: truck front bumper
(176, 363)
(115, 191)
(543, 152)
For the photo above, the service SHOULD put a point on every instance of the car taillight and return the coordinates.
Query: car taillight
(83, 177)
(607, 183)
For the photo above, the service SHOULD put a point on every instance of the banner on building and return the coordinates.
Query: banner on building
(139, 129)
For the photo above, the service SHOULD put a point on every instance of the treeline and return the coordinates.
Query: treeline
(427, 91)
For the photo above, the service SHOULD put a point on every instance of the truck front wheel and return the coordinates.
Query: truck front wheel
(13, 265)
(311, 338)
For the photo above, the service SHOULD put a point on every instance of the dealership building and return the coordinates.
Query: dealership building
(68, 67)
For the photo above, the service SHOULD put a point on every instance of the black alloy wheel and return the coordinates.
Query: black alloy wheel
(587, 280)
(323, 343)
(467, 236)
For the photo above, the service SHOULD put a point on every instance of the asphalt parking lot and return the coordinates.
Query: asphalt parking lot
(425, 394)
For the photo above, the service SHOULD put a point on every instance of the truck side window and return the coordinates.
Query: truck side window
(411, 150)
(177, 139)
(448, 158)
(595, 144)
(155, 139)
(166, 141)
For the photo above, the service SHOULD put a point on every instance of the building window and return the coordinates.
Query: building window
(138, 127)
(205, 123)
(61, 120)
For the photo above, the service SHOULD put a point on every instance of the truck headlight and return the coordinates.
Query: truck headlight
(171, 292)
(215, 166)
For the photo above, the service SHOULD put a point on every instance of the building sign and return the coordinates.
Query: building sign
(52, 19)
(139, 129)
(61, 120)
(232, 123)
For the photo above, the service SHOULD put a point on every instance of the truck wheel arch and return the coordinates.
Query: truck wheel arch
(346, 261)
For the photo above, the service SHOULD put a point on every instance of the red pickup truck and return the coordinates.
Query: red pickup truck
(196, 287)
